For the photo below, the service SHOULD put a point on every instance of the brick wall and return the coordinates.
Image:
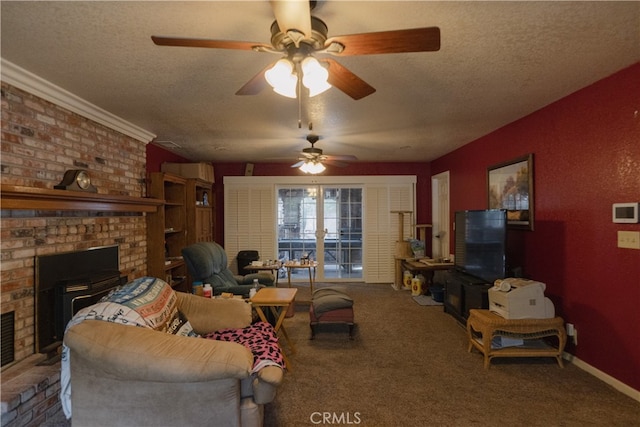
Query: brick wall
(40, 141)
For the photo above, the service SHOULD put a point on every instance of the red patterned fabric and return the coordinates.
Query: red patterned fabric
(260, 338)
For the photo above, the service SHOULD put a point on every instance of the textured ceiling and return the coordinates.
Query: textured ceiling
(498, 61)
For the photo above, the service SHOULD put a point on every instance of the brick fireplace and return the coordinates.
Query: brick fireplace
(40, 141)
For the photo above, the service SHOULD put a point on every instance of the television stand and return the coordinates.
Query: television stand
(462, 293)
(483, 326)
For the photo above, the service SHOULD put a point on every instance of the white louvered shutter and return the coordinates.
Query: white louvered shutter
(250, 221)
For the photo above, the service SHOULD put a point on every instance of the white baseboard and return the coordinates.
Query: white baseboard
(617, 384)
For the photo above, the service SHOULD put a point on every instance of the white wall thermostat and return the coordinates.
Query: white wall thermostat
(626, 212)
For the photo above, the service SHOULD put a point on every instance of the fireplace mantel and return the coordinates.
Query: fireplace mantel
(31, 198)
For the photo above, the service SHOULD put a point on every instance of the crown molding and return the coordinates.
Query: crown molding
(29, 82)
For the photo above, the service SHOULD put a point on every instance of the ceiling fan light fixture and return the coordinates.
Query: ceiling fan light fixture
(315, 76)
(282, 78)
(312, 167)
(318, 88)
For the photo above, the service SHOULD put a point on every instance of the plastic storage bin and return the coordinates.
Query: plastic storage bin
(437, 293)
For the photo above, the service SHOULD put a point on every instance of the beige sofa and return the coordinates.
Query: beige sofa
(123, 375)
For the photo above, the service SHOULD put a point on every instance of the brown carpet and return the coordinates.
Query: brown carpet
(409, 366)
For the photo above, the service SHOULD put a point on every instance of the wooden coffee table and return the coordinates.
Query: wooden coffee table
(278, 300)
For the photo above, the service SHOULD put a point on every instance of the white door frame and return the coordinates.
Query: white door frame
(440, 216)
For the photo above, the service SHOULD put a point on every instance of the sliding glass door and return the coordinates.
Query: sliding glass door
(324, 223)
(343, 221)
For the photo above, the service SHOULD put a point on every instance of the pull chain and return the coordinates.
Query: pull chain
(299, 105)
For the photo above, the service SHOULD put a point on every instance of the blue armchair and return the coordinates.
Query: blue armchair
(208, 263)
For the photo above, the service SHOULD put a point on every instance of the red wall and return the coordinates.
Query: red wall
(157, 155)
(586, 156)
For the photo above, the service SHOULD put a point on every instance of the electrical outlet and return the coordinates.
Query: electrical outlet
(572, 333)
(570, 329)
(629, 239)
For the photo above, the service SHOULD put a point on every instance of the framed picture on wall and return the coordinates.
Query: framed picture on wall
(510, 187)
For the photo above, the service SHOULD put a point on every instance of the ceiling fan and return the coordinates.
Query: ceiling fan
(312, 159)
(297, 36)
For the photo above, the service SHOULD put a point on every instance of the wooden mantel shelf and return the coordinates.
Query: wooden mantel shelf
(30, 198)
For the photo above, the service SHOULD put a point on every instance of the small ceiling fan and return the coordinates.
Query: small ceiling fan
(296, 36)
(312, 159)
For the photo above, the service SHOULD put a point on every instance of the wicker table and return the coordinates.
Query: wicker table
(483, 326)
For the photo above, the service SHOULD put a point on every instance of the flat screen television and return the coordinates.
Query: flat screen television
(481, 243)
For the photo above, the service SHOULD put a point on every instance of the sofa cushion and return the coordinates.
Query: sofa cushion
(150, 297)
(211, 314)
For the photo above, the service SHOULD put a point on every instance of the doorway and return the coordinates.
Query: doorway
(324, 223)
(440, 247)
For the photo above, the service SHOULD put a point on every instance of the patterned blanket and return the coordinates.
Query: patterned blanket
(260, 338)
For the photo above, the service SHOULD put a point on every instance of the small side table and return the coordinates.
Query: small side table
(484, 325)
(311, 267)
(278, 300)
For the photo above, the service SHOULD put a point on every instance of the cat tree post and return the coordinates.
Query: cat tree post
(403, 250)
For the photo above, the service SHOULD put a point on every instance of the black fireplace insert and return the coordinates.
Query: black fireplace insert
(67, 282)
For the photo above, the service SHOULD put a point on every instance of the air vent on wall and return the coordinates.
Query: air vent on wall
(7, 333)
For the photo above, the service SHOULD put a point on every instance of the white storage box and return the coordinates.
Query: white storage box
(203, 171)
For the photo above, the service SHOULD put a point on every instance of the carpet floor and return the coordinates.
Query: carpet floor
(409, 366)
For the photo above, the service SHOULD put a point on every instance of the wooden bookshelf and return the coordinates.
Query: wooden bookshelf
(200, 211)
(167, 230)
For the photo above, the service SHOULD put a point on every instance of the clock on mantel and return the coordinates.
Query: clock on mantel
(76, 180)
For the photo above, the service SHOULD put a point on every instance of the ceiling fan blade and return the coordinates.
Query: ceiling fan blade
(297, 165)
(256, 84)
(293, 15)
(348, 158)
(397, 41)
(346, 81)
(215, 44)
(334, 163)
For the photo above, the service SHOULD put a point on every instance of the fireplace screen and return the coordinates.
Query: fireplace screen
(68, 282)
